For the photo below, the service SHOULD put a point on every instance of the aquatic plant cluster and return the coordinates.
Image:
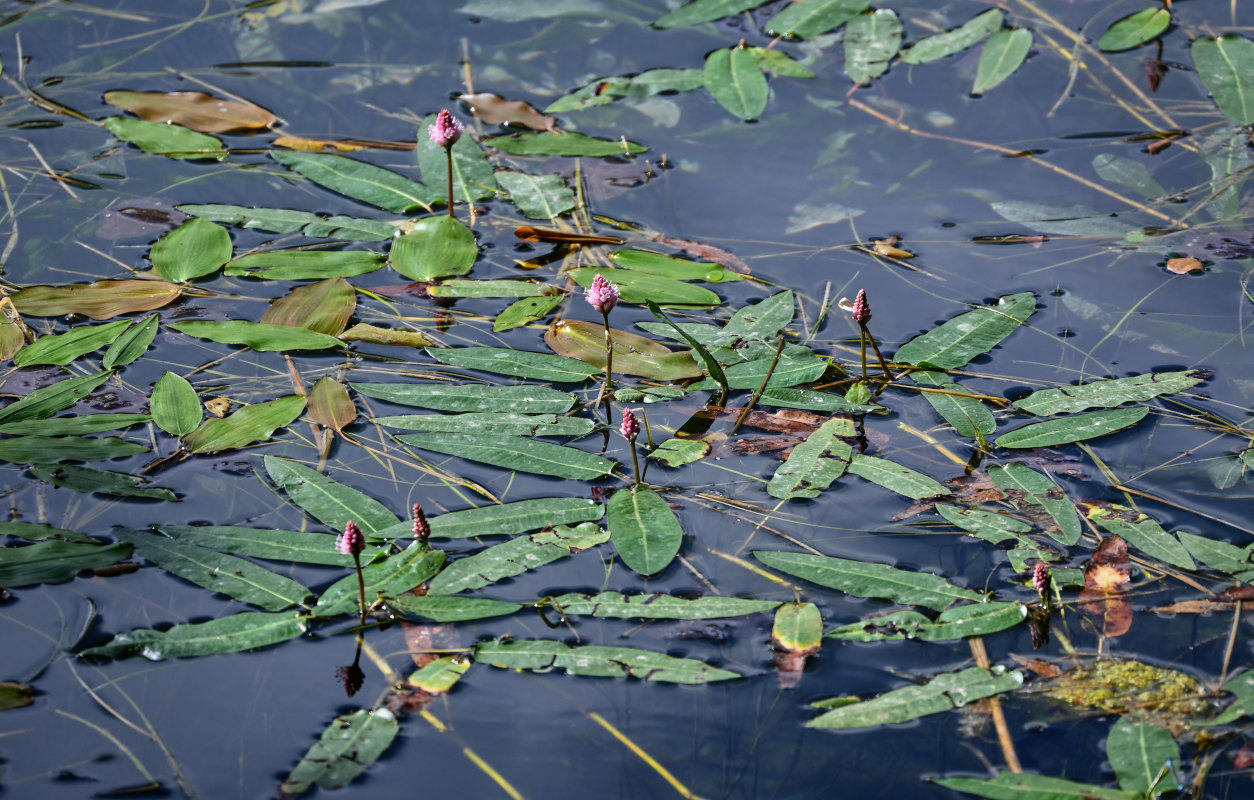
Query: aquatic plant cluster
(474, 416)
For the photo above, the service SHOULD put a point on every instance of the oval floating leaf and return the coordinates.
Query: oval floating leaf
(473, 176)
(329, 404)
(194, 249)
(633, 354)
(437, 247)
(322, 307)
(392, 577)
(871, 41)
(349, 745)
(736, 81)
(175, 405)
(699, 11)
(1226, 65)
(1138, 752)
(359, 180)
(640, 287)
(645, 531)
(529, 309)
(679, 269)
(516, 517)
(328, 501)
(538, 196)
(968, 416)
(98, 481)
(815, 463)
(254, 423)
(957, 341)
(1078, 428)
(1003, 53)
(173, 141)
(272, 220)
(1135, 30)
(304, 547)
(99, 300)
(862, 579)
(976, 619)
(512, 452)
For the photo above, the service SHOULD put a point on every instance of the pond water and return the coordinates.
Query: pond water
(1041, 185)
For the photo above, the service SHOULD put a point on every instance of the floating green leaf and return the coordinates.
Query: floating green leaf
(98, 300)
(658, 606)
(302, 265)
(942, 693)
(775, 62)
(56, 561)
(55, 449)
(473, 177)
(601, 662)
(871, 41)
(798, 628)
(1146, 535)
(736, 81)
(1236, 561)
(194, 249)
(679, 269)
(512, 452)
(33, 532)
(458, 287)
(1027, 786)
(437, 247)
(954, 343)
(15, 695)
(272, 220)
(789, 370)
(815, 463)
(863, 579)
(303, 547)
(940, 45)
(968, 416)
(514, 557)
(811, 400)
(986, 525)
(322, 307)
(1128, 173)
(493, 422)
(256, 335)
(1077, 428)
(645, 531)
(516, 517)
(678, 452)
(764, 320)
(521, 363)
(349, 745)
(448, 609)
(359, 180)
(84, 479)
(814, 17)
(895, 477)
(538, 196)
(328, 501)
(351, 229)
(641, 287)
(63, 348)
(1039, 489)
(392, 577)
(712, 367)
(527, 310)
(1003, 53)
(175, 405)
(73, 426)
(471, 397)
(699, 11)
(1108, 394)
(1135, 30)
(1226, 65)
(976, 619)
(173, 141)
(254, 423)
(633, 355)
(1243, 687)
(371, 334)
(132, 344)
(568, 144)
(245, 631)
(1138, 752)
(440, 675)
(219, 572)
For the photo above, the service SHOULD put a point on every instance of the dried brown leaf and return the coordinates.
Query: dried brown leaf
(496, 110)
(1109, 570)
(99, 300)
(888, 248)
(196, 110)
(1183, 266)
(710, 253)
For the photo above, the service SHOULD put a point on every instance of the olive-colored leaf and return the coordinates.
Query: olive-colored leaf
(1003, 53)
(645, 531)
(373, 334)
(764, 320)
(437, 247)
(968, 416)
(329, 404)
(258, 336)
(640, 287)
(975, 619)
(1226, 65)
(322, 307)
(99, 300)
(349, 745)
(459, 287)
(448, 609)
(194, 249)
(1146, 535)
(272, 220)
(633, 354)
(1138, 751)
(254, 423)
(1038, 489)
(798, 628)
(196, 110)
(73, 426)
(699, 11)
(517, 517)
(775, 62)
(1135, 30)
(15, 695)
(526, 310)
(304, 547)
(492, 422)
(1029, 786)
(678, 452)
(894, 476)
(679, 269)
(392, 577)
(62, 348)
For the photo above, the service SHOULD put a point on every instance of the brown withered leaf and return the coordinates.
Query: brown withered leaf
(971, 489)
(752, 445)
(529, 234)
(196, 110)
(789, 421)
(1183, 266)
(496, 110)
(1114, 611)
(889, 249)
(1045, 669)
(218, 406)
(1200, 607)
(373, 334)
(99, 300)
(323, 307)
(1236, 593)
(315, 145)
(709, 252)
(1244, 757)
(329, 404)
(1109, 570)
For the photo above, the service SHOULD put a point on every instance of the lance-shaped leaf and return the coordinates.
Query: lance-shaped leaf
(56, 561)
(99, 300)
(538, 196)
(527, 310)
(471, 397)
(863, 579)
(677, 452)
(196, 110)
(515, 557)
(815, 463)
(1135, 30)
(15, 695)
(976, 619)
(642, 287)
(896, 477)
(254, 423)
(1040, 490)
(437, 247)
(942, 693)
(712, 366)
(1236, 561)
(173, 141)
(1243, 687)
(812, 400)
(1146, 535)
(300, 265)
(596, 661)
(85, 479)
(969, 416)
(33, 532)
(62, 348)
(504, 424)
(271, 220)
(814, 17)
(43, 403)
(219, 572)
(645, 531)
(633, 354)
(1016, 785)
(328, 501)
(351, 229)
(1108, 394)
(516, 517)
(194, 249)
(465, 287)
(1226, 65)
(132, 344)
(521, 363)
(448, 609)
(303, 547)
(658, 606)
(349, 745)
(258, 336)
(773, 62)
(871, 41)
(1138, 752)
(516, 453)
(175, 405)
(1077, 428)
(55, 449)
(1003, 53)
(372, 334)
(391, 578)
(322, 307)
(699, 11)
(736, 81)
(763, 321)
(245, 631)
(679, 269)
(940, 45)
(359, 180)
(568, 144)
(73, 426)
(954, 343)
(473, 177)
(986, 525)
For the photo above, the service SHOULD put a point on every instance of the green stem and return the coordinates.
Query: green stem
(448, 151)
(866, 333)
(635, 461)
(753, 401)
(361, 586)
(609, 353)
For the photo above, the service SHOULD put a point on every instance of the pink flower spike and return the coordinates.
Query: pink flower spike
(1041, 579)
(351, 542)
(602, 295)
(631, 426)
(422, 528)
(446, 130)
(861, 308)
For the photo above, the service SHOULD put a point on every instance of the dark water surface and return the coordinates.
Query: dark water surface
(236, 724)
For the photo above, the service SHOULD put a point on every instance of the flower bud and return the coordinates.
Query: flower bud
(861, 308)
(631, 426)
(602, 295)
(422, 528)
(351, 542)
(446, 130)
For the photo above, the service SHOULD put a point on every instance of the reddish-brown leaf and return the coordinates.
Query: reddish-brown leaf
(324, 307)
(196, 110)
(710, 253)
(1114, 610)
(99, 300)
(530, 234)
(1109, 570)
(1183, 266)
(496, 110)
(329, 404)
